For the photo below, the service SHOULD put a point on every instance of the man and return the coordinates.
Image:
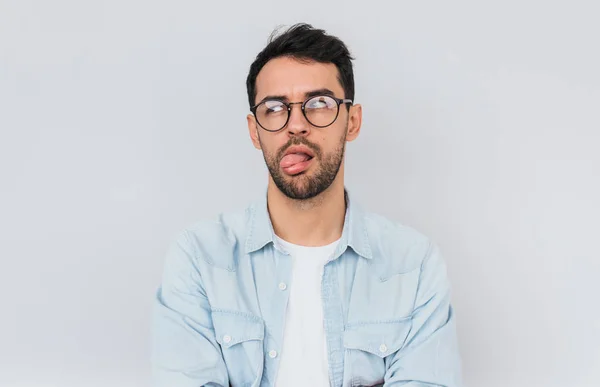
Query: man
(304, 288)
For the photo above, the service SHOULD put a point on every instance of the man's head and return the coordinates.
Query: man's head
(300, 91)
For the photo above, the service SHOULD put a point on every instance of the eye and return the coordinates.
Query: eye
(271, 107)
(320, 102)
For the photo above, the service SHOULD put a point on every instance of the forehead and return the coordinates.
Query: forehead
(292, 78)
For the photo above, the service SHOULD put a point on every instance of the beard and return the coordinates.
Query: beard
(304, 186)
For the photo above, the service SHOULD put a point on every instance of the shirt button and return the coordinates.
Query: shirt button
(227, 339)
(382, 348)
(272, 354)
(282, 286)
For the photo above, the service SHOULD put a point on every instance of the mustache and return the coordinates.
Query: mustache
(299, 141)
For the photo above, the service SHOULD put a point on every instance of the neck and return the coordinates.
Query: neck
(312, 222)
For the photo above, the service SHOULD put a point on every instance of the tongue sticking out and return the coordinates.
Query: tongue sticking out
(293, 159)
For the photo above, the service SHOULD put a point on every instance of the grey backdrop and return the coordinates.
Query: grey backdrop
(124, 121)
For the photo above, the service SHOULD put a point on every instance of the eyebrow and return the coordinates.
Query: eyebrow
(312, 93)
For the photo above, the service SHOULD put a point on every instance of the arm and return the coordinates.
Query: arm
(185, 352)
(430, 354)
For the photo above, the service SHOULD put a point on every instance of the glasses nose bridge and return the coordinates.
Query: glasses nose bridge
(290, 105)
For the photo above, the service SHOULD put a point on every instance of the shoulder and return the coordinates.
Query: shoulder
(396, 247)
(218, 240)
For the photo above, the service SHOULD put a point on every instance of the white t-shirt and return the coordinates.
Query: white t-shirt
(303, 360)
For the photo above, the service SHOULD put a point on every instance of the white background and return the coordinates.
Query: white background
(122, 122)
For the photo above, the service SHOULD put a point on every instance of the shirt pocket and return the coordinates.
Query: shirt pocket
(241, 337)
(367, 344)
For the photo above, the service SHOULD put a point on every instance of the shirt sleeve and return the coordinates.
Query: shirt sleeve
(430, 355)
(185, 352)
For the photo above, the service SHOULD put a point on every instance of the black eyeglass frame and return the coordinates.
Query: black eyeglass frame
(339, 101)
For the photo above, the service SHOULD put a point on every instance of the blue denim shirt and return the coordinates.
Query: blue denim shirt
(220, 314)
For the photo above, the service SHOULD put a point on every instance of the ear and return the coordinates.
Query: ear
(253, 130)
(354, 122)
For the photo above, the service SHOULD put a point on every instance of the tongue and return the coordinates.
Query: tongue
(293, 158)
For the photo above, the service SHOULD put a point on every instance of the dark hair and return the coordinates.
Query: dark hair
(304, 42)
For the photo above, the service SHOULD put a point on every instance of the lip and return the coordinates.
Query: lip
(299, 149)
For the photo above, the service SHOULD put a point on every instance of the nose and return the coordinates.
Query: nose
(297, 124)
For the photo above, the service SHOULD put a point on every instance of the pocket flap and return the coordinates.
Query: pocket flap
(233, 327)
(379, 338)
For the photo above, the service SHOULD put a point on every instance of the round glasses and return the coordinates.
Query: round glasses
(321, 111)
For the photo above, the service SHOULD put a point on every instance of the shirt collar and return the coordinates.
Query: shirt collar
(354, 232)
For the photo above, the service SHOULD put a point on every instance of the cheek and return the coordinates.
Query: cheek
(271, 147)
(335, 141)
